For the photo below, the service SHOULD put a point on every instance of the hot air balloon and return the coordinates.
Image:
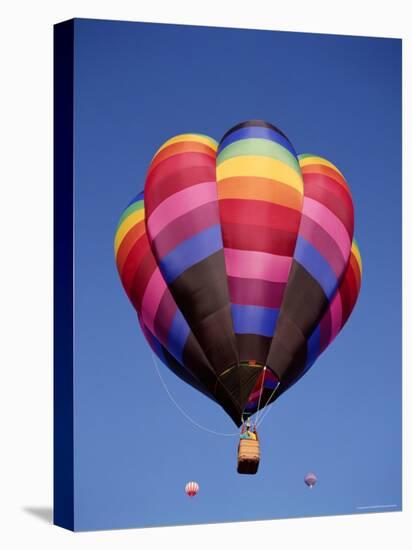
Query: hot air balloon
(240, 261)
(310, 479)
(192, 488)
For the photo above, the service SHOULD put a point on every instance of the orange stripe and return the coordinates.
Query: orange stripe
(181, 147)
(322, 169)
(256, 188)
(356, 271)
(131, 237)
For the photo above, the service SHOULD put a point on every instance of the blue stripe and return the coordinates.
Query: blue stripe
(256, 132)
(313, 346)
(271, 384)
(176, 339)
(254, 319)
(316, 265)
(190, 252)
(138, 197)
(158, 348)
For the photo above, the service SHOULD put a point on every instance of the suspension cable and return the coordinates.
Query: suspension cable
(260, 395)
(267, 402)
(184, 413)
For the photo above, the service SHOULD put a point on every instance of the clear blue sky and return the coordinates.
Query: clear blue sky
(339, 97)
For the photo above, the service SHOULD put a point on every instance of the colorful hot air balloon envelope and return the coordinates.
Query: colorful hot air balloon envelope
(310, 479)
(239, 255)
(192, 488)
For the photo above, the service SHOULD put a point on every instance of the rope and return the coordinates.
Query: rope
(266, 404)
(184, 413)
(260, 395)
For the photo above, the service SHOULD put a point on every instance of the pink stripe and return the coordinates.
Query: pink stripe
(329, 222)
(180, 203)
(257, 265)
(164, 317)
(335, 316)
(151, 298)
(185, 227)
(253, 395)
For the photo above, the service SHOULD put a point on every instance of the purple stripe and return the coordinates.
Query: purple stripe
(316, 265)
(255, 292)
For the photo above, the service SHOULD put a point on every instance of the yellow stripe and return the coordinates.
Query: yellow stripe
(319, 160)
(128, 223)
(356, 253)
(189, 137)
(264, 167)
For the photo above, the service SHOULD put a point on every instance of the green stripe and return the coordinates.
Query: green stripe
(138, 205)
(259, 147)
(305, 156)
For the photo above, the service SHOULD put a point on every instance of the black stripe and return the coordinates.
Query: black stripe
(303, 306)
(253, 123)
(185, 375)
(202, 295)
(253, 347)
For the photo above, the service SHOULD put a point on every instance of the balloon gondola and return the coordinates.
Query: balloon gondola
(240, 261)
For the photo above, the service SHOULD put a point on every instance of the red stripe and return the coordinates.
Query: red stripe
(141, 279)
(174, 182)
(132, 236)
(332, 195)
(174, 174)
(179, 148)
(348, 293)
(266, 214)
(356, 271)
(136, 255)
(259, 238)
(323, 169)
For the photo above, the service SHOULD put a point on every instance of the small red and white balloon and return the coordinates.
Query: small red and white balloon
(310, 479)
(192, 488)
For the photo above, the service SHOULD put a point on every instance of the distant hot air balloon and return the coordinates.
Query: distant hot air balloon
(240, 262)
(192, 488)
(310, 479)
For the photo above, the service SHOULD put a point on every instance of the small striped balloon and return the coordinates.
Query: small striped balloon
(192, 488)
(310, 479)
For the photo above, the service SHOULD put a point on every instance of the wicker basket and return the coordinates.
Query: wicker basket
(248, 456)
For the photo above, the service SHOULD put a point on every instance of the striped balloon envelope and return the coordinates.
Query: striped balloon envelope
(310, 480)
(192, 488)
(240, 261)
